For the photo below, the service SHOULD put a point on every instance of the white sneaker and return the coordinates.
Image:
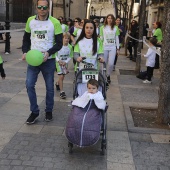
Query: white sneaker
(147, 82)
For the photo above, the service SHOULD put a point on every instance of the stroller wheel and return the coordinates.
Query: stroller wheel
(102, 151)
(103, 148)
(70, 145)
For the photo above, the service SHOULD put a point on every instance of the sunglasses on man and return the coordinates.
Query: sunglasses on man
(42, 7)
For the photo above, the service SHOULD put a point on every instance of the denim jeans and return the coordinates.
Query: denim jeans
(47, 69)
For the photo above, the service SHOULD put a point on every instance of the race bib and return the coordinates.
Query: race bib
(85, 65)
(87, 75)
(41, 35)
(110, 38)
(64, 57)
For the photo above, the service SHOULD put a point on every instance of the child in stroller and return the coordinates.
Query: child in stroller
(92, 93)
(88, 118)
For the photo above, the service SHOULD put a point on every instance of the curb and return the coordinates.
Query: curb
(132, 128)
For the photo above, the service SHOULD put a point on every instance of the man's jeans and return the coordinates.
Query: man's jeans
(47, 69)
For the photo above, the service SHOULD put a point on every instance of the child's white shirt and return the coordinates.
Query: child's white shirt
(150, 57)
(83, 100)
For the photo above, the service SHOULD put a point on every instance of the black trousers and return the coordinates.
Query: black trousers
(157, 59)
(149, 73)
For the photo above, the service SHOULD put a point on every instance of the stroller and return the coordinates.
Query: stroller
(85, 125)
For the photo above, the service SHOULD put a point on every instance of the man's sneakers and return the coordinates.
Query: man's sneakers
(32, 118)
(147, 81)
(48, 116)
(62, 95)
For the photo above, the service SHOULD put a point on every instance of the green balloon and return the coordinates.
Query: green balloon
(34, 57)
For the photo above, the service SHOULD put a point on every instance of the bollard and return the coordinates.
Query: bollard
(7, 26)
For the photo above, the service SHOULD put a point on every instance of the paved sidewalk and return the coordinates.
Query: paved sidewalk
(44, 146)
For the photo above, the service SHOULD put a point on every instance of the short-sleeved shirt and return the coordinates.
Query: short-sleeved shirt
(108, 36)
(85, 49)
(77, 33)
(158, 34)
(42, 33)
(64, 28)
(65, 54)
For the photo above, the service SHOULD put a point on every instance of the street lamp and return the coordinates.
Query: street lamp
(87, 2)
(93, 11)
(7, 26)
(69, 5)
(101, 10)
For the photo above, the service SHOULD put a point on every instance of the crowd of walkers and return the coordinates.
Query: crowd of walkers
(76, 39)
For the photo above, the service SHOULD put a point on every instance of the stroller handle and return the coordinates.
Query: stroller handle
(103, 64)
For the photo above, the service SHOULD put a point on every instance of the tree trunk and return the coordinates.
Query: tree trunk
(141, 23)
(163, 113)
(130, 17)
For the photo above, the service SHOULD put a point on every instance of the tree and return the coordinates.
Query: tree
(141, 24)
(130, 17)
(164, 87)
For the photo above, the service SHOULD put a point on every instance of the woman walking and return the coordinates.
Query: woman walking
(109, 34)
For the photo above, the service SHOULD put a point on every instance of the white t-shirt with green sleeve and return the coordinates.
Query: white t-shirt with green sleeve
(64, 28)
(42, 33)
(109, 37)
(77, 33)
(85, 49)
(65, 54)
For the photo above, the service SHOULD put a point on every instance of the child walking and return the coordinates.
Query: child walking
(150, 59)
(91, 93)
(3, 75)
(62, 59)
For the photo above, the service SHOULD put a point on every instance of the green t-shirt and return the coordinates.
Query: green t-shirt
(158, 34)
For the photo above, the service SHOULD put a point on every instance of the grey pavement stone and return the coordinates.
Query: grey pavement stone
(142, 167)
(30, 168)
(134, 81)
(17, 86)
(151, 154)
(12, 156)
(136, 95)
(140, 137)
(5, 162)
(17, 168)
(3, 167)
(16, 162)
(26, 162)
(3, 100)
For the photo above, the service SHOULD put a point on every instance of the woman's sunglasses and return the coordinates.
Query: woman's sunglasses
(42, 7)
(75, 21)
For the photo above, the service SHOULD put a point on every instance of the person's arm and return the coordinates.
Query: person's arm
(149, 52)
(117, 38)
(71, 54)
(100, 52)
(26, 43)
(58, 44)
(101, 33)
